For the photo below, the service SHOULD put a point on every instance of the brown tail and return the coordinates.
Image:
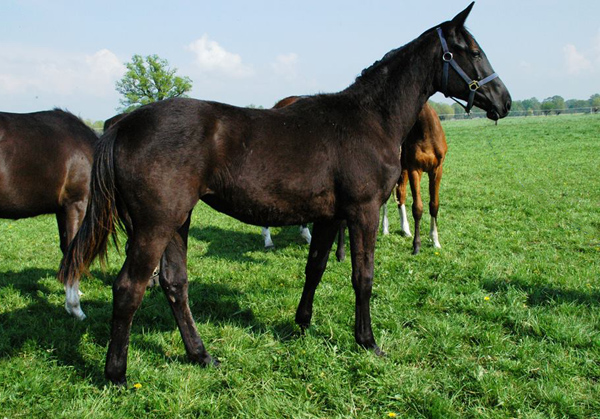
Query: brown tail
(101, 219)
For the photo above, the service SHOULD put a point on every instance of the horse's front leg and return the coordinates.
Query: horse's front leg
(174, 282)
(363, 235)
(322, 239)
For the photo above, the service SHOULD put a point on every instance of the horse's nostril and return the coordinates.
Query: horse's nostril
(508, 104)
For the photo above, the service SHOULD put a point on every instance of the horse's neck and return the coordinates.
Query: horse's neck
(397, 87)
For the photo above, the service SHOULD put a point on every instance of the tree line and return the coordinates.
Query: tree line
(530, 107)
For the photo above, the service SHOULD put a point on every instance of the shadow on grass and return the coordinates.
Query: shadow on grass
(234, 245)
(540, 294)
(47, 326)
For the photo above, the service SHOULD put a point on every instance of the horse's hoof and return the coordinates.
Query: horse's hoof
(119, 382)
(270, 247)
(377, 351)
(209, 361)
(76, 312)
(303, 328)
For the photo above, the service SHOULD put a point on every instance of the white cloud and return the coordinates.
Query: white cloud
(576, 61)
(25, 69)
(286, 65)
(213, 58)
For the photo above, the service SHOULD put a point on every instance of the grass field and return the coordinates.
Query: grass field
(503, 321)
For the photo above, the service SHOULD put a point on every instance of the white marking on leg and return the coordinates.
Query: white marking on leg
(267, 238)
(433, 233)
(404, 221)
(305, 234)
(72, 303)
(385, 222)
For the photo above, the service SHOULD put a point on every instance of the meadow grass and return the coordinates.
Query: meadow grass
(503, 321)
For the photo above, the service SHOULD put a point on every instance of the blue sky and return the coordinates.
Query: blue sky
(68, 54)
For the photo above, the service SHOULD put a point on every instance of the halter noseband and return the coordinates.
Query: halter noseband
(474, 85)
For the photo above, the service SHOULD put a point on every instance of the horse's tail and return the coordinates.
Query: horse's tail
(101, 219)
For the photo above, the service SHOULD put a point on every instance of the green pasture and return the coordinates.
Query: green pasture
(502, 322)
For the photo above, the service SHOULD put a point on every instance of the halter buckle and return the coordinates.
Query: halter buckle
(447, 56)
(474, 85)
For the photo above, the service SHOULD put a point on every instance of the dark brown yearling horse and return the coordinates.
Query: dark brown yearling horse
(153, 166)
(45, 166)
(423, 150)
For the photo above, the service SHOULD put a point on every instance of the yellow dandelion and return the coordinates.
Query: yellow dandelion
(137, 386)
(437, 253)
(486, 298)
(391, 415)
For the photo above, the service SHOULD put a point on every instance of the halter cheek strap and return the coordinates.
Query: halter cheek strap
(474, 85)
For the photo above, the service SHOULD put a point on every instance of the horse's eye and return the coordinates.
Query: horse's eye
(476, 54)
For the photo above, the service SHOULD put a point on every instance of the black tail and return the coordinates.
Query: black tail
(101, 218)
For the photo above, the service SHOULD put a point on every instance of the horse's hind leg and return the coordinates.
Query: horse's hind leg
(145, 250)
(69, 219)
(174, 282)
(340, 253)
(320, 246)
(435, 177)
(401, 200)
(266, 234)
(305, 233)
(417, 207)
(385, 222)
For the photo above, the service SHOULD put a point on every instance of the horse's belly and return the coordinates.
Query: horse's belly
(270, 211)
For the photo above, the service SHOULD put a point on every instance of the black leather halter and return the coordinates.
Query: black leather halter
(474, 85)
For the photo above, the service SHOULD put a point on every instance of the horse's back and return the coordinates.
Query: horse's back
(45, 159)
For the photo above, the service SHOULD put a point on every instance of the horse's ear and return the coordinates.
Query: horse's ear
(460, 19)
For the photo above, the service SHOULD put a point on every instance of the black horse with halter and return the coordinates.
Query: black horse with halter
(474, 85)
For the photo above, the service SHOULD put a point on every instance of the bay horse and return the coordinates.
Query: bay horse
(304, 231)
(45, 168)
(423, 150)
(153, 166)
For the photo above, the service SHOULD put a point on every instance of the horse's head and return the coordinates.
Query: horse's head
(466, 72)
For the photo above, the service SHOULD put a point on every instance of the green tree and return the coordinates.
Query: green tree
(554, 104)
(577, 104)
(149, 80)
(443, 110)
(517, 108)
(532, 105)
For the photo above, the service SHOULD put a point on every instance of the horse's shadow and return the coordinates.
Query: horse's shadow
(236, 246)
(46, 324)
(542, 295)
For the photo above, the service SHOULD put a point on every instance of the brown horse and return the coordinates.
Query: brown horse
(45, 166)
(153, 166)
(423, 150)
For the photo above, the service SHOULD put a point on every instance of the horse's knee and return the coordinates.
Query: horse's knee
(417, 210)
